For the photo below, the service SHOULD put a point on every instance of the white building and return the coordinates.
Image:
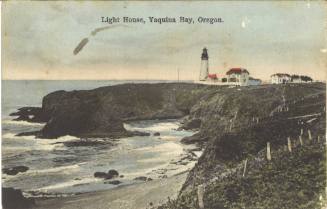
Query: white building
(204, 70)
(279, 78)
(238, 76)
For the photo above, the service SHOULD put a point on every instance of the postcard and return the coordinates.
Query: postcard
(163, 104)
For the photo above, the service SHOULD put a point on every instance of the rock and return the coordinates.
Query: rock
(31, 114)
(121, 176)
(156, 134)
(14, 199)
(143, 178)
(139, 133)
(113, 173)
(15, 170)
(192, 124)
(115, 182)
(196, 138)
(100, 175)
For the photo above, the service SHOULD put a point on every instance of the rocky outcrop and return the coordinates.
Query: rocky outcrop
(31, 114)
(101, 112)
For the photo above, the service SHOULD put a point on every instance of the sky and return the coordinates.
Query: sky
(39, 39)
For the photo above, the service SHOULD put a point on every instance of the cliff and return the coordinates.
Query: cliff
(237, 124)
(102, 111)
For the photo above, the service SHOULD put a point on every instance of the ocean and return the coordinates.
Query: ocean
(57, 169)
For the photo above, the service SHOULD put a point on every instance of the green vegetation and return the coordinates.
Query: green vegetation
(237, 123)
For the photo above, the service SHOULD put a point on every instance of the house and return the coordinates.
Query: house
(279, 78)
(238, 76)
(254, 81)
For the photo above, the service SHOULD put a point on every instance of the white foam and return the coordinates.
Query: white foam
(66, 169)
(69, 184)
(39, 144)
(21, 123)
(167, 148)
(13, 136)
(157, 127)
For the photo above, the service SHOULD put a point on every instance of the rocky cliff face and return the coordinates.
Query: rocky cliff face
(237, 123)
(101, 112)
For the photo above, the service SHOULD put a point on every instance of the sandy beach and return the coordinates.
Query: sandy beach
(136, 196)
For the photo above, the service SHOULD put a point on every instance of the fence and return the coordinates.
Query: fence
(290, 146)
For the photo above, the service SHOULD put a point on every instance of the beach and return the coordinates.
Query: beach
(136, 196)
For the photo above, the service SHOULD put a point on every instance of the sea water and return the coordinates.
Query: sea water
(58, 169)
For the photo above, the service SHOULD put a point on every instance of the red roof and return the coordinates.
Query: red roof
(212, 76)
(237, 71)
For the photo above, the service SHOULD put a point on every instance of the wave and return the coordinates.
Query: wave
(55, 169)
(169, 148)
(58, 140)
(13, 136)
(39, 144)
(156, 127)
(21, 123)
(69, 184)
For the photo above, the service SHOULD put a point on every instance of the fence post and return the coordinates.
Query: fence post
(268, 151)
(301, 141)
(200, 196)
(257, 120)
(289, 144)
(301, 131)
(318, 138)
(245, 164)
(309, 133)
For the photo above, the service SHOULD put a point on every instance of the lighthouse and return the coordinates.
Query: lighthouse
(204, 70)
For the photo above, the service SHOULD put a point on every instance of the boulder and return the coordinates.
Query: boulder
(139, 133)
(143, 178)
(100, 175)
(15, 170)
(113, 173)
(156, 134)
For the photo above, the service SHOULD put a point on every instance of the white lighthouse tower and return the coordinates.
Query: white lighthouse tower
(204, 71)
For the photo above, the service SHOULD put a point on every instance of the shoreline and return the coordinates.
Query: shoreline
(135, 196)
